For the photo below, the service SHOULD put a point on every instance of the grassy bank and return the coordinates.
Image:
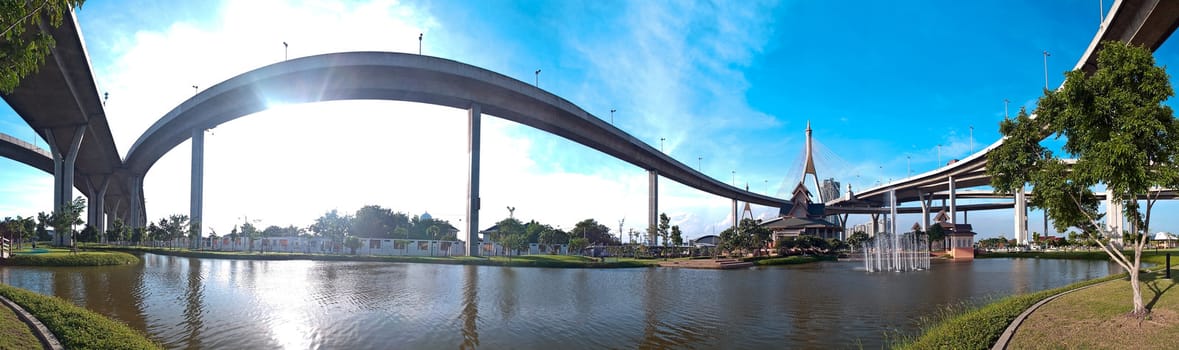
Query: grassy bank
(980, 327)
(14, 333)
(76, 327)
(1148, 255)
(63, 257)
(1095, 318)
(793, 260)
(557, 261)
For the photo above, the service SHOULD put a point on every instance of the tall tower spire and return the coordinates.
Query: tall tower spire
(810, 160)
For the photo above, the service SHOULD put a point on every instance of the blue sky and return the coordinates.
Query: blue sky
(733, 83)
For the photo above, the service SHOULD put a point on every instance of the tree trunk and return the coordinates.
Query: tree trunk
(1139, 307)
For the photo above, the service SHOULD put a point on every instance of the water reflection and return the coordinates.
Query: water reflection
(188, 303)
(470, 314)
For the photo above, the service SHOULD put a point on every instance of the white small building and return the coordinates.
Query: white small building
(1165, 240)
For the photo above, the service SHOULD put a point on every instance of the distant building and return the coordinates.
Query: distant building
(712, 240)
(801, 217)
(829, 190)
(959, 236)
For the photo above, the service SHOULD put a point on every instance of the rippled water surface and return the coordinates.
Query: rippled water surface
(190, 303)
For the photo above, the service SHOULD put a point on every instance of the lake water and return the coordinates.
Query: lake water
(191, 303)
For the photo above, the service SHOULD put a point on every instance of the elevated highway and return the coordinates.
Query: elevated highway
(62, 104)
(1142, 22)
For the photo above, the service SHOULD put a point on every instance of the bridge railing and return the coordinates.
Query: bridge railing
(5, 248)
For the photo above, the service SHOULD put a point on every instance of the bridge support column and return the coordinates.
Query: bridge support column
(474, 122)
(924, 211)
(97, 212)
(652, 205)
(875, 223)
(1020, 231)
(953, 201)
(135, 203)
(736, 219)
(63, 174)
(196, 195)
(1115, 213)
(892, 211)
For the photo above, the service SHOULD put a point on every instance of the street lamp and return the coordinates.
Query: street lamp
(1046, 54)
(419, 44)
(194, 90)
(661, 144)
(612, 116)
(909, 159)
(734, 178)
(285, 49)
(972, 139)
(537, 78)
(939, 155)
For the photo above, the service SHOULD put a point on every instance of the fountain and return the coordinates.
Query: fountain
(896, 252)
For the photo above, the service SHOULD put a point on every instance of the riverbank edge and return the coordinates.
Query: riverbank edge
(793, 260)
(977, 328)
(518, 261)
(47, 339)
(81, 259)
(76, 327)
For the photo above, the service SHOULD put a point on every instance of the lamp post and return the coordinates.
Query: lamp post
(194, 90)
(909, 159)
(285, 49)
(700, 163)
(661, 144)
(537, 78)
(1046, 54)
(1005, 114)
(972, 139)
(419, 44)
(612, 116)
(939, 155)
(734, 178)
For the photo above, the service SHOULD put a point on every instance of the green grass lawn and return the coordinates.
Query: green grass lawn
(14, 333)
(980, 327)
(1095, 318)
(63, 257)
(77, 327)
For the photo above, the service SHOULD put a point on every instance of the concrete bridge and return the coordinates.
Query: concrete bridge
(62, 104)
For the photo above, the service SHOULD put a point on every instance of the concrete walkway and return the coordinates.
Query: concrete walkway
(1004, 339)
(48, 340)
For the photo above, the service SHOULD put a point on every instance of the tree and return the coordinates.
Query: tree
(333, 226)
(352, 243)
(88, 234)
(1122, 136)
(592, 231)
(936, 234)
(755, 235)
(372, 221)
(677, 236)
(64, 219)
(664, 226)
(857, 238)
(514, 243)
(42, 223)
(551, 236)
(24, 52)
(578, 244)
(119, 231)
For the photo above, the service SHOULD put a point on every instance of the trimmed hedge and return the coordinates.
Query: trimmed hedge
(69, 259)
(77, 327)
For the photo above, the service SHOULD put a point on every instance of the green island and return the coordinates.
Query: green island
(64, 257)
(74, 326)
(1056, 324)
